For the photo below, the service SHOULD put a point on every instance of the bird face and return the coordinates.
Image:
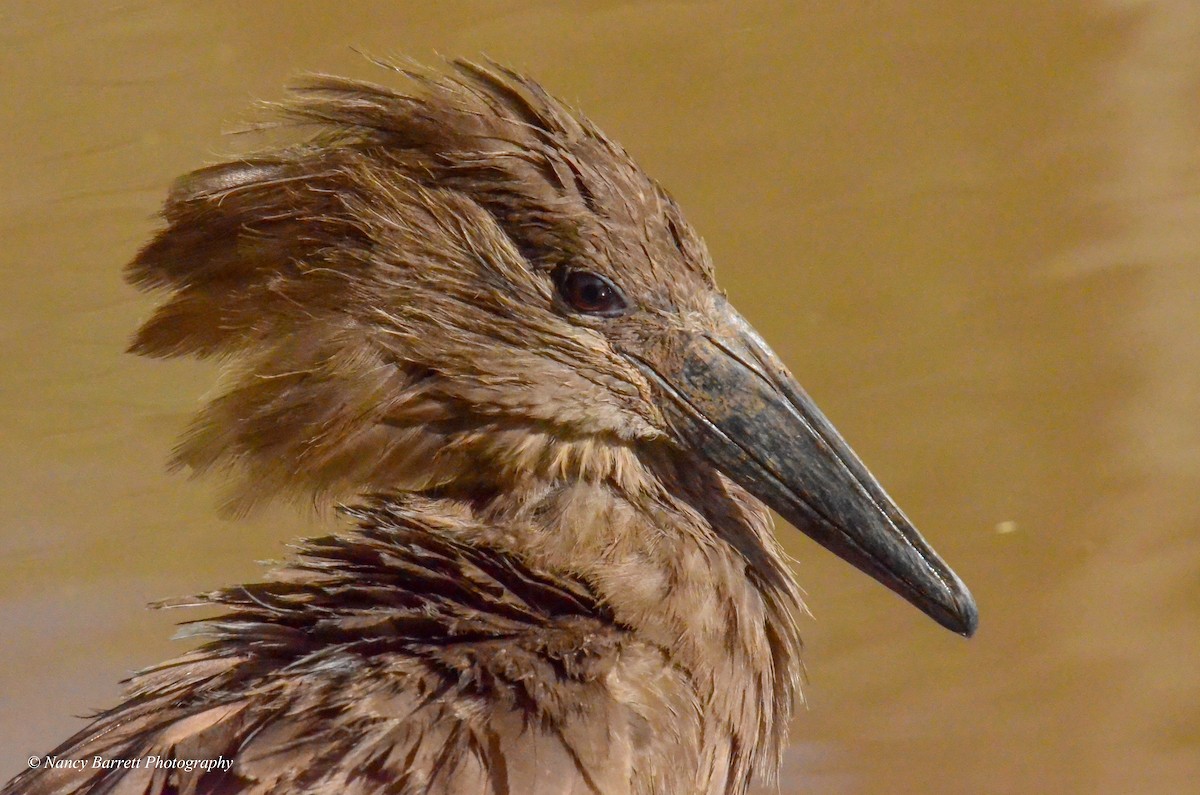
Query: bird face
(473, 279)
(666, 356)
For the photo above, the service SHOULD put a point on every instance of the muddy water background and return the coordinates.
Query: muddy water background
(973, 230)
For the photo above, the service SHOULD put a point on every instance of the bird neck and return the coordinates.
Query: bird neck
(683, 558)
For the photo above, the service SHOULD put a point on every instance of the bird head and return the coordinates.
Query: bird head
(467, 282)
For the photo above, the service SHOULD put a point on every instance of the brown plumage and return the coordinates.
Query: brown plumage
(466, 310)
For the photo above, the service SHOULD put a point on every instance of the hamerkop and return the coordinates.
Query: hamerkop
(466, 310)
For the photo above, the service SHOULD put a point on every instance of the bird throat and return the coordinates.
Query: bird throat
(683, 558)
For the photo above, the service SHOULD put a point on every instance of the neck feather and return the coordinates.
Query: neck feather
(680, 555)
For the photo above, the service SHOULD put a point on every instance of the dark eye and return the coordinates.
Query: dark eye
(590, 293)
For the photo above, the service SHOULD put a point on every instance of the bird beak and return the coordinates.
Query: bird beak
(730, 398)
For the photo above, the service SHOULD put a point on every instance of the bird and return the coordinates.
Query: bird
(457, 310)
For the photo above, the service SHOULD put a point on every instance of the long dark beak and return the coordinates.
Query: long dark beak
(730, 398)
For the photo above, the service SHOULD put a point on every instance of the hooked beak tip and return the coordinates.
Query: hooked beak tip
(960, 614)
(968, 614)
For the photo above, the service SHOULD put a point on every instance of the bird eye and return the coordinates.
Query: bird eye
(591, 293)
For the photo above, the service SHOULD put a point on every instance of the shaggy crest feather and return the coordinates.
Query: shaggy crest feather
(406, 239)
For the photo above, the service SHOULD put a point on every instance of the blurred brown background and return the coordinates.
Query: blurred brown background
(971, 228)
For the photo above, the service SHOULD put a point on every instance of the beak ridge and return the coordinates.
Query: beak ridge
(730, 398)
